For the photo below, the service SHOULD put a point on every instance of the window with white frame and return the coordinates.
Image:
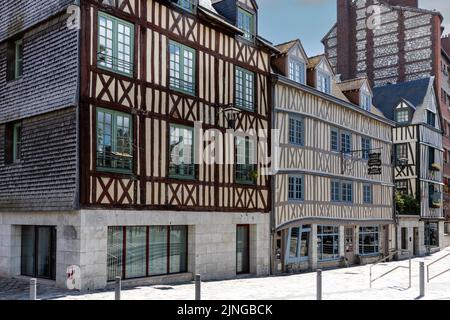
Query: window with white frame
(335, 191)
(366, 147)
(323, 82)
(368, 240)
(296, 130)
(244, 88)
(296, 188)
(245, 22)
(401, 151)
(182, 68)
(115, 44)
(366, 101)
(402, 116)
(334, 139)
(367, 194)
(402, 186)
(298, 244)
(327, 243)
(297, 71)
(347, 192)
(346, 142)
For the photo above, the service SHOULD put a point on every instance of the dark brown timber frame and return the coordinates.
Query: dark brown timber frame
(138, 89)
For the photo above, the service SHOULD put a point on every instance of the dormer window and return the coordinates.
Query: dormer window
(188, 5)
(323, 82)
(431, 118)
(366, 101)
(245, 22)
(297, 71)
(402, 116)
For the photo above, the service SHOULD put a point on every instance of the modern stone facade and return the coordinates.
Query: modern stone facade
(82, 242)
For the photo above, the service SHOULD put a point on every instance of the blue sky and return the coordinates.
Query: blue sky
(310, 20)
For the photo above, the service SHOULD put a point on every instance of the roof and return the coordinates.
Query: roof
(207, 4)
(285, 47)
(314, 61)
(352, 84)
(386, 98)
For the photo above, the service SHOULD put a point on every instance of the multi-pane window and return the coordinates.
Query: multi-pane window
(245, 160)
(245, 22)
(347, 192)
(296, 188)
(335, 191)
(334, 140)
(323, 82)
(296, 130)
(366, 147)
(402, 186)
(115, 44)
(181, 153)
(114, 141)
(299, 243)
(135, 252)
(366, 101)
(368, 240)
(244, 88)
(401, 151)
(402, 116)
(431, 118)
(297, 71)
(182, 68)
(367, 194)
(188, 5)
(327, 243)
(346, 142)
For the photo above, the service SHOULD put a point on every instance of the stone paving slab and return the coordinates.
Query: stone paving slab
(338, 284)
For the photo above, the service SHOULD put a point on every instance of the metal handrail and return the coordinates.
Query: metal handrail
(391, 255)
(432, 263)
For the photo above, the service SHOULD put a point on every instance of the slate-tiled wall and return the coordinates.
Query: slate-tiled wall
(18, 15)
(50, 72)
(45, 177)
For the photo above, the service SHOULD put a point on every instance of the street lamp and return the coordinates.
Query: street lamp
(230, 113)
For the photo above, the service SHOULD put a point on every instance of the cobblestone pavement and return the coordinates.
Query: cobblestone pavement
(19, 289)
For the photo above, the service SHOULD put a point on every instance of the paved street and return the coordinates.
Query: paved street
(339, 284)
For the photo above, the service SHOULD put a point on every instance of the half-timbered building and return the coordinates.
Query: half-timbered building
(418, 161)
(153, 84)
(328, 211)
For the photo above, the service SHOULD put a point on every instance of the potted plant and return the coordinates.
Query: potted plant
(435, 167)
(254, 175)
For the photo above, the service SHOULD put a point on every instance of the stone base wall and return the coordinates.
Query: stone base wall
(82, 241)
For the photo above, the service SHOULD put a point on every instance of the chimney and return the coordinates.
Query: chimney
(344, 40)
(404, 3)
(445, 44)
